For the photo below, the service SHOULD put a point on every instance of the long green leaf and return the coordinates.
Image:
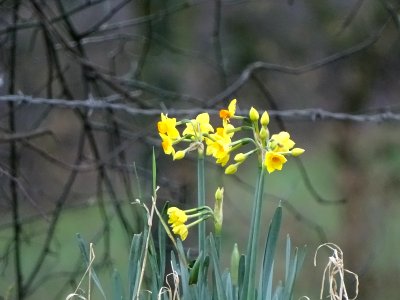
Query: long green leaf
(117, 289)
(135, 263)
(217, 273)
(269, 252)
(227, 283)
(241, 274)
(287, 258)
(293, 269)
(194, 271)
(186, 293)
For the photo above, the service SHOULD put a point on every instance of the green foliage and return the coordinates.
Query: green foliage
(202, 280)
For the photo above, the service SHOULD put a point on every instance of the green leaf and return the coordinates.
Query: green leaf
(218, 279)
(135, 262)
(117, 289)
(202, 281)
(86, 256)
(268, 295)
(194, 271)
(227, 282)
(269, 252)
(186, 293)
(292, 270)
(287, 259)
(241, 273)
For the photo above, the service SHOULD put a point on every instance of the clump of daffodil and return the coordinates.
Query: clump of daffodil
(177, 219)
(272, 150)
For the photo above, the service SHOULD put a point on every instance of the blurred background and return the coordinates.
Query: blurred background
(82, 85)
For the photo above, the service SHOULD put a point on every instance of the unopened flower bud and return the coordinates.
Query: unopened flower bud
(235, 260)
(264, 133)
(218, 212)
(240, 157)
(297, 151)
(264, 119)
(219, 194)
(253, 114)
(231, 169)
(179, 155)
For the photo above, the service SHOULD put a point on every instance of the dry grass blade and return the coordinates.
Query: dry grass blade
(88, 271)
(173, 291)
(334, 272)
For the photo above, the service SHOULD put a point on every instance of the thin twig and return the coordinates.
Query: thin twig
(308, 114)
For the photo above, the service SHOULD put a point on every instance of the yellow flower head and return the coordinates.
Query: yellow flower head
(167, 144)
(218, 145)
(168, 126)
(181, 230)
(176, 216)
(199, 126)
(226, 114)
(281, 142)
(274, 161)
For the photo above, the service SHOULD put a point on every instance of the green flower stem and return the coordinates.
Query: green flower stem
(201, 198)
(198, 221)
(248, 292)
(203, 213)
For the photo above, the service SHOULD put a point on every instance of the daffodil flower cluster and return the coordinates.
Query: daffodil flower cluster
(177, 219)
(271, 150)
(198, 133)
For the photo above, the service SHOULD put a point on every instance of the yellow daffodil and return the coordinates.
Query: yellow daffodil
(218, 145)
(181, 230)
(168, 126)
(167, 144)
(226, 114)
(274, 161)
(281, 142)
(176, 215)
(199, 126)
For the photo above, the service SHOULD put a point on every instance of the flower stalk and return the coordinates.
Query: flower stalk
(201, 199)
